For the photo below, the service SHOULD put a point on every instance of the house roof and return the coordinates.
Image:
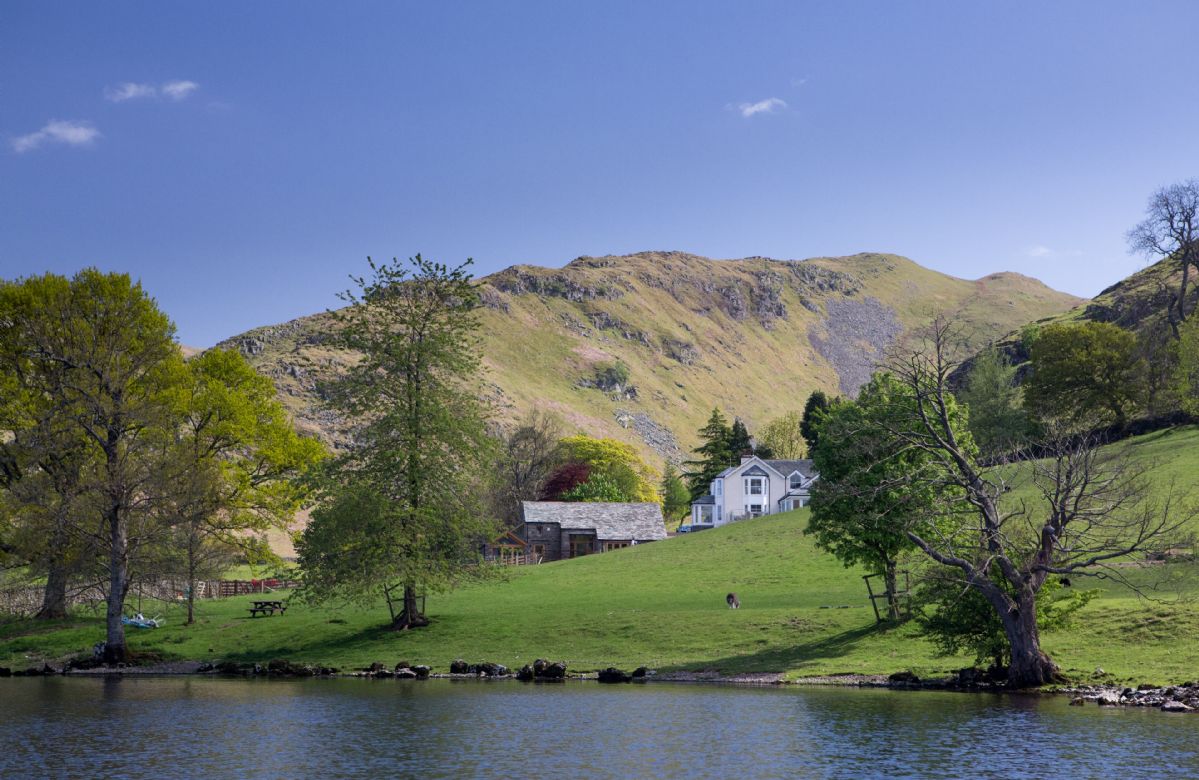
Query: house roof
(788, 467)
(708, 499)
(754, 471)
(642, 522)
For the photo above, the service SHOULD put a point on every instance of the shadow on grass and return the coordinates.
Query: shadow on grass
(781, 659)
(324, 651)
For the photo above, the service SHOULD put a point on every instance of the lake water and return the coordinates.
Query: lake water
(214, 728)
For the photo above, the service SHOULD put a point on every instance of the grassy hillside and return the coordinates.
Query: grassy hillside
(662, 605)
(753, 336)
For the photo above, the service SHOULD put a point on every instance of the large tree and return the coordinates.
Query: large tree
(402, 508)
(1084, 372)
(242, 464)
(676, 498)
(1171, 230)
(1188, 367)
(867, 500)
(100, 353)
(1093, 507)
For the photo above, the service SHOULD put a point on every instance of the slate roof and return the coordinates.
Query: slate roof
(786, 467)
(642, 522)
(706, 499)
(754, 471)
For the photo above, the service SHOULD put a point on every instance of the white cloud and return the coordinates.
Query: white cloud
(178, 90)
(1042, 252)
(129, 91)
(69, 132)
(175, 90)
(767, 106)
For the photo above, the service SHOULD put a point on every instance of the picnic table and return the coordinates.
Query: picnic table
(267, 608)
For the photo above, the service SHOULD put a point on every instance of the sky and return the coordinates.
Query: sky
(243, 159)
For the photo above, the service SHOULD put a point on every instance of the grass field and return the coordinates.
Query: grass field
(662, 605)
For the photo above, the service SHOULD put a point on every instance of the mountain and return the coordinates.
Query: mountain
(753, 336)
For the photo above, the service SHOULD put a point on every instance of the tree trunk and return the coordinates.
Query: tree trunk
(892, 595)
(1030, 666)
(118, 584)
(410, 616)
(191, 585)
(54, 599)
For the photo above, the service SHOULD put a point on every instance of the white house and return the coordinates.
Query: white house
(756, 487)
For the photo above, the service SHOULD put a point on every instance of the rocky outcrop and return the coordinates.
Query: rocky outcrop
(855, 335)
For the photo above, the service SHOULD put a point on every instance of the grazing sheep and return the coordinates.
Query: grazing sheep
(732, 600)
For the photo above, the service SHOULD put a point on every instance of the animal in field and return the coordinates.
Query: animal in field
(733, 601)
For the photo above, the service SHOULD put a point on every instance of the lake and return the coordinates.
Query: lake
(187, 727)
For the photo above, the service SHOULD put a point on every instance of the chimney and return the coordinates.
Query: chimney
(746, 459)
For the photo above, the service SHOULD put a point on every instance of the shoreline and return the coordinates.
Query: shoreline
(1181, 698)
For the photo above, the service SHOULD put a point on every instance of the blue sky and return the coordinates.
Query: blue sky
(243, 158)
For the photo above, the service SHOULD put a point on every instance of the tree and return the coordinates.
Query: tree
(998, 420)
(242, 460)
(1085, 370)
(714, 455)
(676, 498)
(563, 479)
(97, 349)
(617, 462)
(1171, 230)
(598, 487)
(740, 444)
(400, 509)
(813, 408)
(959, 618)
(784, 436)
(528, 456)
(866, 502)
(1188, 366)
(1094, 507)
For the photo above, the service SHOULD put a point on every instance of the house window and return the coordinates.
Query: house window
(717, 487)
(755, 510)
(719, 512)
(796, 482)
(754, 486)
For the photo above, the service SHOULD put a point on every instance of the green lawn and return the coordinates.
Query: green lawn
(662, 605)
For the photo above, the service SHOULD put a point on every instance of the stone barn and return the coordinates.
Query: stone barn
(555, 530)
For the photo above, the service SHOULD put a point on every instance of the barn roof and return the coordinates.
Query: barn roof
(642, 522)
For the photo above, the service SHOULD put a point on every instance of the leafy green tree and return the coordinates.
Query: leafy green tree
(243, 464)
(1085, 371)
(598, 487)
(783, 436)
(676, 498)
(866, 501)
(1188, 366)
(101, 353)
(714, 455)
(401, 508)
(816, 405)
(620, 465)
(998, 419)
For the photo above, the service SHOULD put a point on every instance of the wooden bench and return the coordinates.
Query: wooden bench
(267, 608)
